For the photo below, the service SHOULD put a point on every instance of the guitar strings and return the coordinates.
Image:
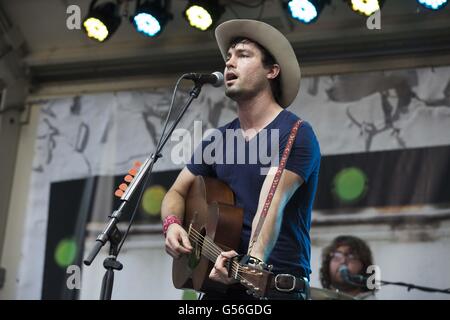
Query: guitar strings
(207, 244)
(213, 256)
(211, 245)
(215, 251)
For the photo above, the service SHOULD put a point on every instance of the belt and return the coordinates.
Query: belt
(280, 286)
(288, 283)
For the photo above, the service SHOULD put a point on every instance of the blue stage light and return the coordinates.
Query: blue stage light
(433, 4)
(147, 24)
(151, 17)
(302, 10)
(306, 11)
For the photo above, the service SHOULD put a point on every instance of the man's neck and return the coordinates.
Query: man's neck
(257, 112)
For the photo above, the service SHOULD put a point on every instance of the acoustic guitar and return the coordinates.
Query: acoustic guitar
(214, 224)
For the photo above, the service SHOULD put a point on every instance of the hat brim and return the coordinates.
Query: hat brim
(272, 40)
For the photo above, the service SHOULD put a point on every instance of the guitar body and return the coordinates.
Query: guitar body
(210, 207)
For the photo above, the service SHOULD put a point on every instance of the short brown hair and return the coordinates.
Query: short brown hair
(267, 60)
(357, 246)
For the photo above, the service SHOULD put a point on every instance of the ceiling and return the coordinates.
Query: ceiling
(52, 53)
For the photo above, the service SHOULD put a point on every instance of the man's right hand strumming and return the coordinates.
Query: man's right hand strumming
(177, 241)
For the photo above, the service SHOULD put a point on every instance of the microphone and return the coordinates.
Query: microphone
(349, 278)
(215, 79)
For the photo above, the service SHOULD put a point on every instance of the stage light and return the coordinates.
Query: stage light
(306, 11)
(102, 20)
(365, 7)
(433, 4)
(151, 17)
(203, 14)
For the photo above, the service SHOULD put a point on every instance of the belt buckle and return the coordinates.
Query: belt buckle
(288, 275)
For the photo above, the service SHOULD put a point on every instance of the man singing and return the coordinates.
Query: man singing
(262, 75)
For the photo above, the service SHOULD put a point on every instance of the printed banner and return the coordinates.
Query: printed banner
(384, 137)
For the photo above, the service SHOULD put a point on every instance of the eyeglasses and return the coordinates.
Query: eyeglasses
(341, 257)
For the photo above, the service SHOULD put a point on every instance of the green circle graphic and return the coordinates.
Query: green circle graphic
(65, 252)
(189, 295)
(152, 199)
(350, 184)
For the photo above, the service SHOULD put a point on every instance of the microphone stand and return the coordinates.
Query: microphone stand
(358, 282)
(111, 233)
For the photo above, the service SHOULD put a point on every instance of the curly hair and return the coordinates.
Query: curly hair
(357, 246)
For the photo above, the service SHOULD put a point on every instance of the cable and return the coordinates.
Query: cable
(413, 286)
(170, 109)
(148, 176)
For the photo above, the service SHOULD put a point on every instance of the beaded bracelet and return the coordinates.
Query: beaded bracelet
(168, 221)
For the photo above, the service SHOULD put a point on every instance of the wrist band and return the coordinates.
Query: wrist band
(168, 221)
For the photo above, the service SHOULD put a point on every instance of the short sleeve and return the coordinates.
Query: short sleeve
(198, 165)
(304, 158)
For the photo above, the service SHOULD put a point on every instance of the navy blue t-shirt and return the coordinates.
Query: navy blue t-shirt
(221, 155)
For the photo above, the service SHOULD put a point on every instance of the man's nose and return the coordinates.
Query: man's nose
(231, 62)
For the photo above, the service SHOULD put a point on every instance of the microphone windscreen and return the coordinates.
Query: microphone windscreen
(344, 272)
(220, 79)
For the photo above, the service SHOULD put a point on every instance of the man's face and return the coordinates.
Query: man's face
(245, 75)
(343, 256)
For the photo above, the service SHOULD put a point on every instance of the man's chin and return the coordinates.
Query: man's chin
(232, 93)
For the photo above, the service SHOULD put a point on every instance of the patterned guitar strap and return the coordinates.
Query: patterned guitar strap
(276, 180)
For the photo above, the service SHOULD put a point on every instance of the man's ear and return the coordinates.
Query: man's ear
(273, 71)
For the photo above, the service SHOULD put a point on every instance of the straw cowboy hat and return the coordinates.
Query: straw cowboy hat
(271, 39)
